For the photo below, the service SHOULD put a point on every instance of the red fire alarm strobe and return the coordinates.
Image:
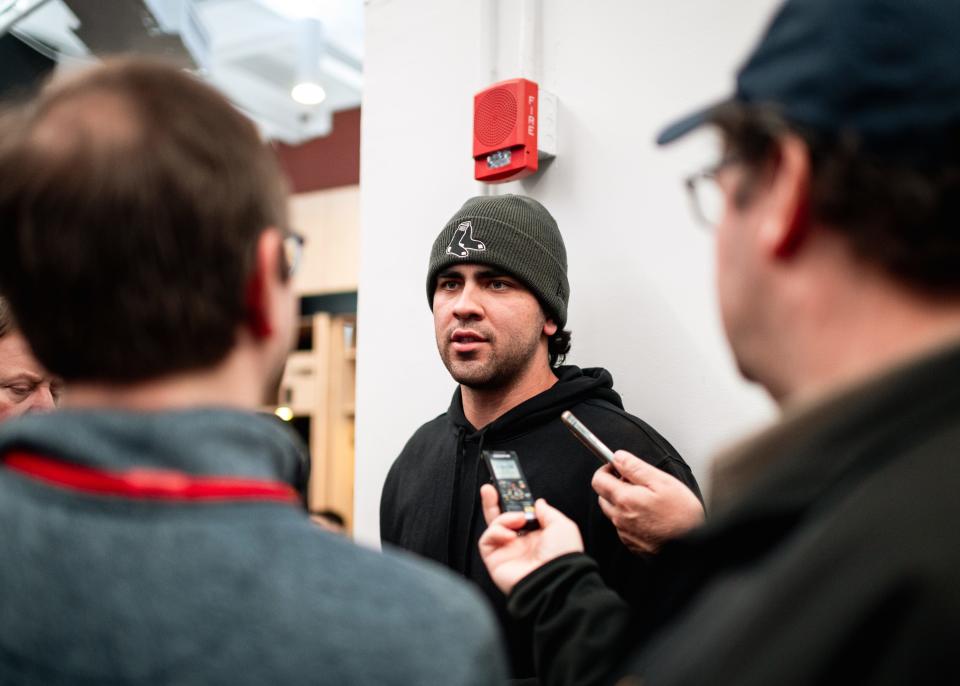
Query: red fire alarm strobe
(514, 127)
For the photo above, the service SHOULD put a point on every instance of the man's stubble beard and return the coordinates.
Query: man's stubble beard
(501, 368)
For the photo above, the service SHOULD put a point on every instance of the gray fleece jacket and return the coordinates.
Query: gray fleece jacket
(115, 586)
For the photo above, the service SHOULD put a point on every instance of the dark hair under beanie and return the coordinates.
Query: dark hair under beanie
(514, 233)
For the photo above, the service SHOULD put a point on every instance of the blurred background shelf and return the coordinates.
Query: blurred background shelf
(317, 397)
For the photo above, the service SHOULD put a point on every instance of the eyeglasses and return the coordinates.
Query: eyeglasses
(706, 196)
(293, 243)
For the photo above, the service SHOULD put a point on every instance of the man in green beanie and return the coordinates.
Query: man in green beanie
(497, 285)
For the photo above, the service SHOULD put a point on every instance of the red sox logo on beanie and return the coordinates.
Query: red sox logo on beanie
(463, 242)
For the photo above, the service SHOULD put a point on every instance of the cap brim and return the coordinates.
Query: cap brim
(682, 127)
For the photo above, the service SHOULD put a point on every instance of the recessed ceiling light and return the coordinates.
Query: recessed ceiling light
(308, 93)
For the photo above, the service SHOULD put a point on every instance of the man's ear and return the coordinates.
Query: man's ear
(550, 327)
(788, 221)
(263, 276)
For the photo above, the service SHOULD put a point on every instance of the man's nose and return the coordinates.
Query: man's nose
(467, 305)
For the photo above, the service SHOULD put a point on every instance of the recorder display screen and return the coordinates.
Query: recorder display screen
(505, 469)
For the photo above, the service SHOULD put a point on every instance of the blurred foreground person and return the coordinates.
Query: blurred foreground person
(149, 531)
(25, 386)
(831, 554)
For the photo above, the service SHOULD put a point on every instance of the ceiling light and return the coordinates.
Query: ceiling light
(308, 93)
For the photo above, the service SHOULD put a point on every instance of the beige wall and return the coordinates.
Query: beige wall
(330, 220)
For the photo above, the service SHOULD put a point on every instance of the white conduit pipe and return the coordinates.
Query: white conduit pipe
(529, 44)
(489, 47)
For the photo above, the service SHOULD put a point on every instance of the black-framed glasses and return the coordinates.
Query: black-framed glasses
(706, 197)
(293, 243)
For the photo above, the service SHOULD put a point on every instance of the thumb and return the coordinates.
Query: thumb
(635, 470)
(547, 514)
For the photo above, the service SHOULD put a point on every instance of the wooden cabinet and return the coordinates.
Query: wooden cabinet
(318, 383)
(319, 388)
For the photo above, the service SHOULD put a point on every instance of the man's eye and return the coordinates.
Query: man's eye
(20, 391)
(447, 285)
(499, 285)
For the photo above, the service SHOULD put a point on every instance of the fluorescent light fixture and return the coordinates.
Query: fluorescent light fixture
(341, 71)
(304, 9)
(12, 11)
(308, 90)
(308, 93)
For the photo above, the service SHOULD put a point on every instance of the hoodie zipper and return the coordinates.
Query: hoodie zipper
(458, 459)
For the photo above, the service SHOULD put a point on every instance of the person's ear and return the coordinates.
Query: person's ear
(264, 275)
(550, 327)
(788, 199)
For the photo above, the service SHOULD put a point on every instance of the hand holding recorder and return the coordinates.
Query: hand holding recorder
(510, 554)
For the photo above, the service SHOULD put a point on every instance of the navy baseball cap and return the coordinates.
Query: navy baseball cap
(887, 71)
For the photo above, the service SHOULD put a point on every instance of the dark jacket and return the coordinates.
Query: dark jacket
(431, 504)
(174, 577)
(837, 562)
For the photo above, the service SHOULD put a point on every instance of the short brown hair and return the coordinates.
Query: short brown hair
(131, 200)
(897, 213)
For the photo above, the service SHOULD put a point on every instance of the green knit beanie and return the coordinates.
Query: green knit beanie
(514, 233)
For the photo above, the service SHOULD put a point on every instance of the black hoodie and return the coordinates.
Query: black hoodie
(431, 501)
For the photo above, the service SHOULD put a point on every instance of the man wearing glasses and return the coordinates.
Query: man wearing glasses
(150, 531)
(830, 555)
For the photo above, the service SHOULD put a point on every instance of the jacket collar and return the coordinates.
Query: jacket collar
(813, 447)
(215, 442)
(574, 385)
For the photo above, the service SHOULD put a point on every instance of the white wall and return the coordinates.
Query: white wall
(641, 270)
